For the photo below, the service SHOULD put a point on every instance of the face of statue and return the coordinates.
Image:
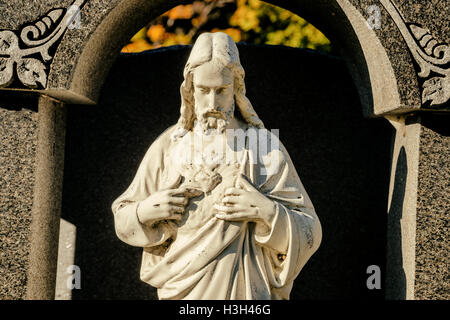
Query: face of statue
(213, 96)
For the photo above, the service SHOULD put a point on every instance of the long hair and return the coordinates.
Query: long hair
(222, 49)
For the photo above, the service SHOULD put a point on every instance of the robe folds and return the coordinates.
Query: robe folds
(203, 257)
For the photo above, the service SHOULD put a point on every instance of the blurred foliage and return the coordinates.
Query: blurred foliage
(251, 21)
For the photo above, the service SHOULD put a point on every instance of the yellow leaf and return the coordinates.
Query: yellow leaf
(138, 46)
(181, 12)
(245, 18)
(235, 34)
(156, 33)
(140, 35)
(255, 4)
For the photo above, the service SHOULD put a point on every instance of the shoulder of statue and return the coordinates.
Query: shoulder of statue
(163, 142)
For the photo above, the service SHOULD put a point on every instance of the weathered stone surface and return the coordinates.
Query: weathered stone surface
(45, 213)
(431, 15)
(66, 260)
(106, 26)
(379, 60)
(346, 174)
(26, 53)
(18, 140)
(417, 243)
(84, 58)
(433, 208)
(401, 215)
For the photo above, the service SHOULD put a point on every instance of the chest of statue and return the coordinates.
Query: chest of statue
(207, 167)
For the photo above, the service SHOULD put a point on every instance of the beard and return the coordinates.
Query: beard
(213, 122)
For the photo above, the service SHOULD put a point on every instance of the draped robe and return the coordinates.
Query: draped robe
(203, 257)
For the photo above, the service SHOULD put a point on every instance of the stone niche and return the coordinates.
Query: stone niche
(308, 96)
(367, 130)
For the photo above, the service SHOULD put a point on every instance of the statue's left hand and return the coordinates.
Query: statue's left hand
(245, 203)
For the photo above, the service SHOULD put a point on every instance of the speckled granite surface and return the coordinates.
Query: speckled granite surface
(18, 13)
(17, 150)
(433, 210)
(18, 142)
(131, 15)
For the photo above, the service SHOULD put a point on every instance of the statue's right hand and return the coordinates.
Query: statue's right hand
(163, 205)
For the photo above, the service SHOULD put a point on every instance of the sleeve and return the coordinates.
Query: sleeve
(149, 178)
(295, 232)
(274, 237)
(131, 231)
(293, 205)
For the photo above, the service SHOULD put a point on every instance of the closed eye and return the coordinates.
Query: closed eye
(202, 89)
(221, 90)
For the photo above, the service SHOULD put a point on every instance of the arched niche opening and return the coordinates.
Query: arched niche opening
(315, 100)
(246, 21)
(80, 80)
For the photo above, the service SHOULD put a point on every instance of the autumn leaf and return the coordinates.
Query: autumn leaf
(234, 33)
(6, 72)
(252, 21)
(156, 33)
(246, 18)
(181, 12)
(140, 35)
(138, 46)
(31, 72)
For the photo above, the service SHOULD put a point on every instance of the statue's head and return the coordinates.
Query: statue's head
(213, 84)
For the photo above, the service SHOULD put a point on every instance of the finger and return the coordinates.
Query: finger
(226, 209)
(178, 201)
(187, 192)
(176, 210)
(181, 191)
(176, 192)
(168, 193)
(233, 192)
(176, 217)
(230, 199)
(238, 216)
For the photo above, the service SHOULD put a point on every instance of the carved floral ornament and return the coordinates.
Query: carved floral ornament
(30, 64)
(30, 60)
(432, 56)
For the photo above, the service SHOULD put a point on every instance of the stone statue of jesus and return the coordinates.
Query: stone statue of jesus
(216, 218)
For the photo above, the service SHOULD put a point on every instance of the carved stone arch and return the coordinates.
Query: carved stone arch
(82, 61)
(398, 65)
(400, 68)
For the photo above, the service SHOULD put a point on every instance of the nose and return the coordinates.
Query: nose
(213, 100)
